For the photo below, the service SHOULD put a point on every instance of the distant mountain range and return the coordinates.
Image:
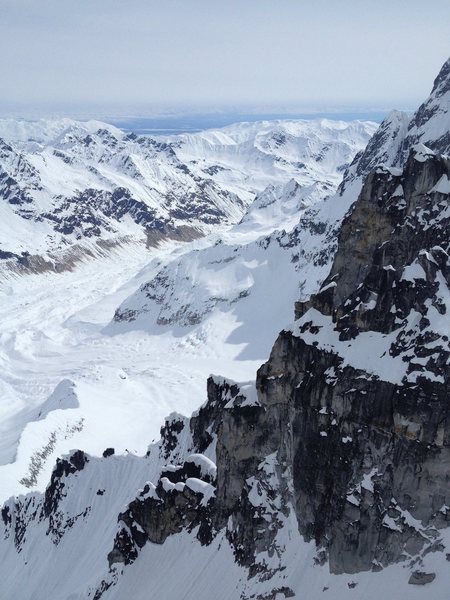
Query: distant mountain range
(191, 123)
(72, 189)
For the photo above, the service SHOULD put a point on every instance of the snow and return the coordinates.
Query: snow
(63, 397)
(442, 186)
(421, 152)
(331, 285)
(218, 172)
(395, 171)
(37, 573)
(330, 375)
(151, 493)
(368, 351)
(122, 386)
(353, 500)
(281, 205)
(367, 480)
(173, 565)
(371, 303)
(127, 376)
(267, 148)
(435, 113)
(201, 487)
(398, 192)
(43, 131)
(207, 467)
(247, 395)
(390, 523)
(42, 570)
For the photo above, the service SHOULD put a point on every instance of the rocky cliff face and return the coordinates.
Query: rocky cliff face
(352, 406)
(366, 371)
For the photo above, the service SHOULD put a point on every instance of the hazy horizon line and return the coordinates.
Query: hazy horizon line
(197, 111)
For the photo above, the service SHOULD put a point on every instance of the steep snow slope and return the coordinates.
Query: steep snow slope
(306, 209)
(71, 189)
(264, 151)
(394, 139)
(243, 273)
(431, 123)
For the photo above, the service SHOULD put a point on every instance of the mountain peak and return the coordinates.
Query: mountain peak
(430, 125)
(441, 84)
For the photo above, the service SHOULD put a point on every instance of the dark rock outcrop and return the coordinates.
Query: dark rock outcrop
(357, 443)
(370, 455)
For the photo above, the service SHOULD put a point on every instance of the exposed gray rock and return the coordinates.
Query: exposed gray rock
(363, 459)
(420, 578)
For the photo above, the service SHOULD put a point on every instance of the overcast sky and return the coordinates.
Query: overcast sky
(141, 56)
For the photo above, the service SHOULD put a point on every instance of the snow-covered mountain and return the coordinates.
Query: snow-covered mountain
(65, 334)
(74, 189)
(285, 241)
(296, 260)
(329, 474)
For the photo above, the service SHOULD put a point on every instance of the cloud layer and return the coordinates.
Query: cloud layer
(141, 54)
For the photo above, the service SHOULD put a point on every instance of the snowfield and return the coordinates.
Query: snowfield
(73, 377)
(122, 385)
